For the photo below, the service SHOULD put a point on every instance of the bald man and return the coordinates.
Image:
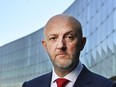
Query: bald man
(64, 41)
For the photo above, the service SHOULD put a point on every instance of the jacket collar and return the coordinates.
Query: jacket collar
(84, 78)
(46, 80)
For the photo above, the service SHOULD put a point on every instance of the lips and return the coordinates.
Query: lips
(61, 54)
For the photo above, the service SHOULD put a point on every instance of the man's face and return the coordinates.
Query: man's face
(62, 44)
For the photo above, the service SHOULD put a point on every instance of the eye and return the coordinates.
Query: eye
(69, 37)
(52, 38)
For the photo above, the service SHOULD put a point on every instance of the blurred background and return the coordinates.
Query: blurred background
(22, 57)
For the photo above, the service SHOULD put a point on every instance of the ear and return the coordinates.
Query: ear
(83, 42)
(44, 44)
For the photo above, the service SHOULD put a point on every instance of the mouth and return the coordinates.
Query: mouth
(61, 54)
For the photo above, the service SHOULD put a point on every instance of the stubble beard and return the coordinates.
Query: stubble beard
(66, 65)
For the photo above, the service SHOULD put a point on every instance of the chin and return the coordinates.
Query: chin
(65, 65)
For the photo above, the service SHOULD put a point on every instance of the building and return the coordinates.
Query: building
(25, 58)
(22, 60)
(98, 18)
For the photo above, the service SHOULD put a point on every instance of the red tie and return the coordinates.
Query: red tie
(61, 82)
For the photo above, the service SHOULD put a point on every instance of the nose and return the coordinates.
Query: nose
(61, 44)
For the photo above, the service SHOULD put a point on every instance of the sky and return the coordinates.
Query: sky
(19, 18)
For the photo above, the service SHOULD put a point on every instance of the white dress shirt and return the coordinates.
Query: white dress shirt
(72, 76)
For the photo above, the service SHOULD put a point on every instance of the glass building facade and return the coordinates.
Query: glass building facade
(98, 19)
(25, 58)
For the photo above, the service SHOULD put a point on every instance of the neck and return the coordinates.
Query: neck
(61, 72)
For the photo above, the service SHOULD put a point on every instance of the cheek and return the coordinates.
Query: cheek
(51, 49)
(72, 48)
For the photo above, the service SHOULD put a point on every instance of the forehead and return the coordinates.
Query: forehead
(60, 30)
(60, 25)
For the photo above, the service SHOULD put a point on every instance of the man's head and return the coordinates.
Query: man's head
(63, 41)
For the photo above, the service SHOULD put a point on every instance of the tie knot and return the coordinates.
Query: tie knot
(61, 82)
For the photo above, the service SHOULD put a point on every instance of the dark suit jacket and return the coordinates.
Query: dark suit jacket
(85, 79)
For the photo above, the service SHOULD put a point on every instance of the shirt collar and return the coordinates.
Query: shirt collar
(72, 76)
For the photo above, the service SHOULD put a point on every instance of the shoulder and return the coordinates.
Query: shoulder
(94, 79)
(100, 79)
(38, 81)
(114, 85)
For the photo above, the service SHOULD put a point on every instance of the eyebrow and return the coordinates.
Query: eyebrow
(66, 33)
(69, 32)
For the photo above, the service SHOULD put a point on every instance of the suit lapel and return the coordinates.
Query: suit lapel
(46, 81)
(84, 79)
